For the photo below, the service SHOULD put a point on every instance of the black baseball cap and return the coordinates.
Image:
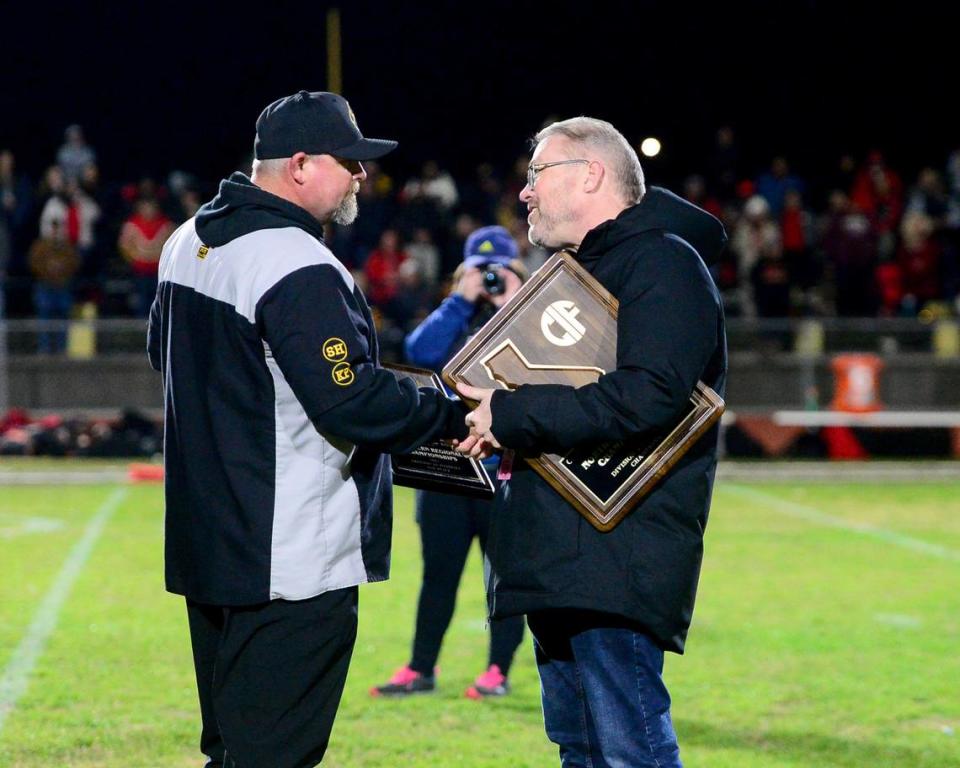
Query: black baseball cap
(318, 123)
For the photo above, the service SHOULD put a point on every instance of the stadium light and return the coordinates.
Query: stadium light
(650, 147)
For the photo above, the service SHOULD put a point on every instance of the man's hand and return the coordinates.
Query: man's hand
(474, 447)
(471, 285)
(511, 284)
(479, 420)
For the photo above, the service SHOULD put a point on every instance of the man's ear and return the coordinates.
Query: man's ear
(295, 167)
(596, 173)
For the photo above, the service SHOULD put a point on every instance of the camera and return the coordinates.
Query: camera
(493, 282)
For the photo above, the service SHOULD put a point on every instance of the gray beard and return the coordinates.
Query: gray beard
(545, 227)
(346, 213)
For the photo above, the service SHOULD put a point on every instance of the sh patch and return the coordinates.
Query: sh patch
(334, 350)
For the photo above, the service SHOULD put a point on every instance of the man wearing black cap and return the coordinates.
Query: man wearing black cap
(277, 421)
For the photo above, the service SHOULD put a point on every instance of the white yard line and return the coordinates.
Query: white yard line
(12, 526)
(16, 675)
(818, 517)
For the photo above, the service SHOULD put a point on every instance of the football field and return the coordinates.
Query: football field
(827, 633)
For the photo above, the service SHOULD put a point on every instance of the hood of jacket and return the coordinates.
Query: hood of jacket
(661, 210)
(241, 207)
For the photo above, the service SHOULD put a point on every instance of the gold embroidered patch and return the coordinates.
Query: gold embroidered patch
(202, 253)
(343, 374)
(334, 350)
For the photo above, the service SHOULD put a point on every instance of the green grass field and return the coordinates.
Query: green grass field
(827, 633)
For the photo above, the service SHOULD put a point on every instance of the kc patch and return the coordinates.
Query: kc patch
(343, 374)
(202, 253)
(334, 350)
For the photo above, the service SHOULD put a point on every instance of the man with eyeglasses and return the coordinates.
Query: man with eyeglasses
(278, 419)
(603, 607)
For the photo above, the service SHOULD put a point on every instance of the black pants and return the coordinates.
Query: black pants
(270, 677)
(448, 525)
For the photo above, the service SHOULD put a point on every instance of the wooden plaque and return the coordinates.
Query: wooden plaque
(561, 328)
(436, 466)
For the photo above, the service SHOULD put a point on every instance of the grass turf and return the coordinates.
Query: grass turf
(817, 641)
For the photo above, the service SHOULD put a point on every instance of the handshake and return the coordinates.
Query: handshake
(481, 442)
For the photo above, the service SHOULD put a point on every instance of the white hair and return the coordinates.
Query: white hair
(272, 167)
(591, 133)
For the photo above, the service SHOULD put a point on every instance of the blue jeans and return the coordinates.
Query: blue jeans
(604, 701)
(145, 291)
(52, 303)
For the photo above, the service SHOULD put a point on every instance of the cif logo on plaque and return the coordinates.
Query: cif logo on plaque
(560, 325)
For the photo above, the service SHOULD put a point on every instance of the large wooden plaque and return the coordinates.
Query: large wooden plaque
(436, 466)
(561, 328)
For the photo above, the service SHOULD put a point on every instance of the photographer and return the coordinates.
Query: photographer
(488, 277)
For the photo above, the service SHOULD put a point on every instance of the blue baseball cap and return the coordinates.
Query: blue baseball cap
(317, 123)
(489, 245)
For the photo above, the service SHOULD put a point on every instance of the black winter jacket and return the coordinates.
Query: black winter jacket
(670, 334)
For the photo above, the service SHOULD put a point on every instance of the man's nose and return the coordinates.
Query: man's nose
(526, 193)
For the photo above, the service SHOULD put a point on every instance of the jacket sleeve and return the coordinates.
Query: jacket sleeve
(155, 332)
(431, 343)
(316, 335)
(667, 330)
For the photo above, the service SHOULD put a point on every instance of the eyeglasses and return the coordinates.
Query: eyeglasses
(534, 170)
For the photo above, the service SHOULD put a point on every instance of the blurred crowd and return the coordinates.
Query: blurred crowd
(131, 433)
(863, 242)
(860, 243)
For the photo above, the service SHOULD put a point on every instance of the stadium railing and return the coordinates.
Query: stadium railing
(775, 365)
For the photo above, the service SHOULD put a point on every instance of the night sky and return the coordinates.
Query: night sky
(175, 86)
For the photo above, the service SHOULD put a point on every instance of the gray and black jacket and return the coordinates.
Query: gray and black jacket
(278, 417)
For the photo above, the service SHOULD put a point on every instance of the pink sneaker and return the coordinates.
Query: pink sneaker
(404, 682)
(491, 683)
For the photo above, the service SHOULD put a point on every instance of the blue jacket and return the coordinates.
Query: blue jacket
(432, 343)
(441, 335)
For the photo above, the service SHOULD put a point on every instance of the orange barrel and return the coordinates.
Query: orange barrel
(857, 383)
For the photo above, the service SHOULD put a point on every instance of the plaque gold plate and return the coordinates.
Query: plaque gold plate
(436, 466)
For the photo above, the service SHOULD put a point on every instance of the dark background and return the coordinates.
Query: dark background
(174, 86)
